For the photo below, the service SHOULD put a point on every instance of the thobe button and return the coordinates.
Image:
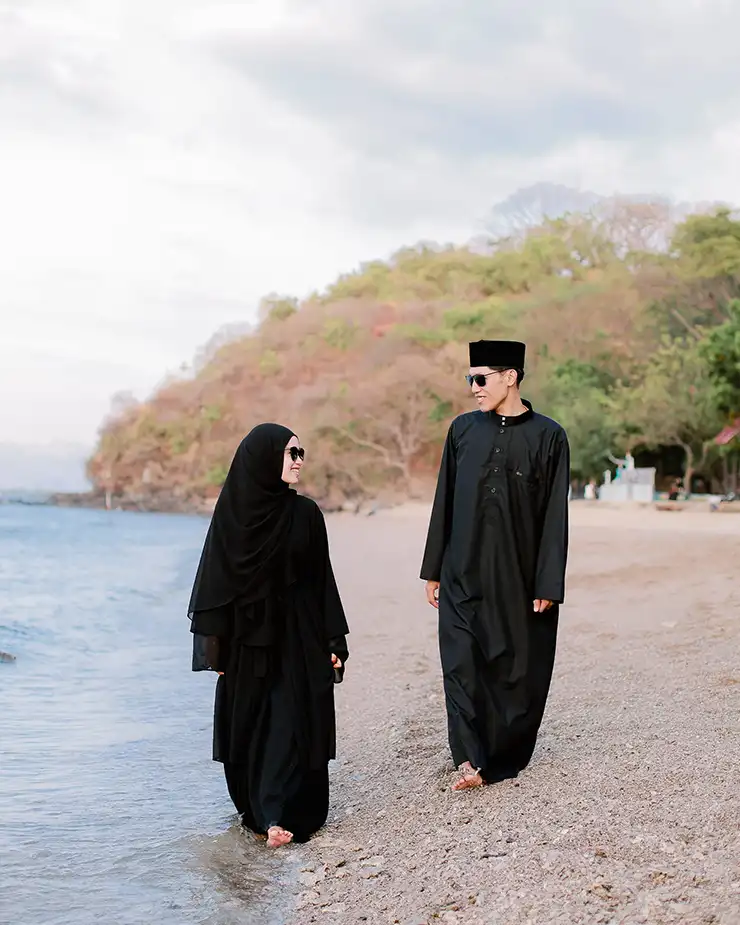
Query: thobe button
(500, 430)
(493, 491)
(496, 469)
(497, 450)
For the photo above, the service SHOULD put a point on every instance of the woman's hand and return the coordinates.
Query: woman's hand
(335, 661)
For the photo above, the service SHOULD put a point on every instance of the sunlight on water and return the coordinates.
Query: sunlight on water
(111, 809)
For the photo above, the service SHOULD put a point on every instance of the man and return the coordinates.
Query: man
(494, 565)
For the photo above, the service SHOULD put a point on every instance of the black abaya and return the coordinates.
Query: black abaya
(497, 541)
(265, 613)
(274, 725)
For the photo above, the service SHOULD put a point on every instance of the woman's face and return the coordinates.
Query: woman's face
(292, 466)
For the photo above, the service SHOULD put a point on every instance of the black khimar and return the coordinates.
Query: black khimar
(242, 555)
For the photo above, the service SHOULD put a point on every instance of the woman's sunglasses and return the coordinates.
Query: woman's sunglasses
(296, 453)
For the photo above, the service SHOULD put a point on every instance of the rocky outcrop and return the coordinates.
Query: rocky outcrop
(160, 502)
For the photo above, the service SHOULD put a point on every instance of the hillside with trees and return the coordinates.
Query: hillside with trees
(630, 313)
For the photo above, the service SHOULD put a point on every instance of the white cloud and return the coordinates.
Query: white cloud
(164, 164)
(133, 229)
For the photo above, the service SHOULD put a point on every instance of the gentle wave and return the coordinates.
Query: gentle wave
(111, 807)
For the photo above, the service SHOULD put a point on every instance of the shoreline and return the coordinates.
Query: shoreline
(154, 504)
(170, 504)
(627, 812)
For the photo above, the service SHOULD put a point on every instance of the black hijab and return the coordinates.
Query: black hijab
(243, 552)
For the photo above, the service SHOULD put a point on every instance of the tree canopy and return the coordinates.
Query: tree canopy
(633, 330)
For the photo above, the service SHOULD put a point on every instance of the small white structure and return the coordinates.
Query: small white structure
(630, 484)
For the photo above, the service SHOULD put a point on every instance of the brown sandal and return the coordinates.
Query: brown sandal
(470, 780)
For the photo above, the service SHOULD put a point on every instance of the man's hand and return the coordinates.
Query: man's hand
(540, 606)
(433, 593)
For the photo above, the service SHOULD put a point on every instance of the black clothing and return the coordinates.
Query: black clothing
(265, 611)
(274, 726)
(497, 541)
(497, 354)
(241, 556)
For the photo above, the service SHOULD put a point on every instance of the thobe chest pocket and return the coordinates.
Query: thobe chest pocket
(522, 475)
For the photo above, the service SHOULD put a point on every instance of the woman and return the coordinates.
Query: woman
(267, 617)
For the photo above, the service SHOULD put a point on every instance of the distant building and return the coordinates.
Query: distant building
(630, 484)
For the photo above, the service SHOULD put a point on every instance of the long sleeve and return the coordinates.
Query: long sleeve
(209, 629)
(334, 617)
(440, 523)
(553, 549)
(333, 610)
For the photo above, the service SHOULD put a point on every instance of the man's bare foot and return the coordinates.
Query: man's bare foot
(470, 778)
(278, 836)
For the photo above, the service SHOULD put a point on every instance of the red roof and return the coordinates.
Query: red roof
(729, 433)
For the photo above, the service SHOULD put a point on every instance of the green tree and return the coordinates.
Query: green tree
(277, 308)
(395, 333)
(710, 245)
(708, 251)
(721, 351)
(673, 404)
(578, 398)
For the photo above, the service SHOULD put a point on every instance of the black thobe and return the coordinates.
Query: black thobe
(274, 721)
(497, 541)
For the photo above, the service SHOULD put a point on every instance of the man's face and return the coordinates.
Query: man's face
(490, 387)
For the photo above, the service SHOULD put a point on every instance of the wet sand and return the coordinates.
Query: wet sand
(629, 810)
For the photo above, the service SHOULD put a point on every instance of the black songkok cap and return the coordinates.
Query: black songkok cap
(504, 354)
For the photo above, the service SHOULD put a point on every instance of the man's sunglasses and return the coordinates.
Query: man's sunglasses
(480, 378)
(296, 453)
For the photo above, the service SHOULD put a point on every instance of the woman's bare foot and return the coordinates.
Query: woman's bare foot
(470, 778)
(278, 836)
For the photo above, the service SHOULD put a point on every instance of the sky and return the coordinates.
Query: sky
(166, 163)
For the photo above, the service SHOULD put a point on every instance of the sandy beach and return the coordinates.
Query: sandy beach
(629, 810)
